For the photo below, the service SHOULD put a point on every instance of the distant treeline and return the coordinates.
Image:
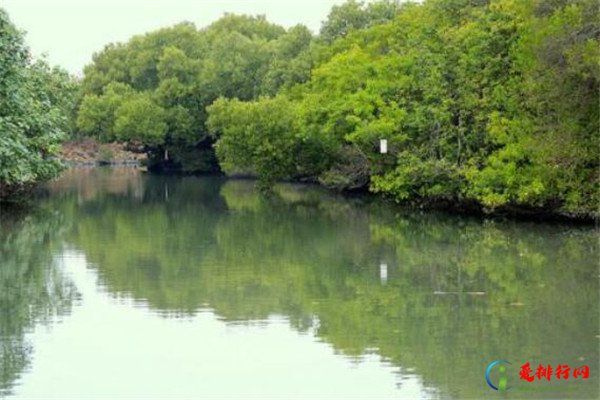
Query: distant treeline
(489, 103)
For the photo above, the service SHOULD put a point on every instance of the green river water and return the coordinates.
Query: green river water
(118, 284)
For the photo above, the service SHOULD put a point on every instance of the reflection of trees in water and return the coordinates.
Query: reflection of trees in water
(32, 290)
(313, 256)
(89, 183)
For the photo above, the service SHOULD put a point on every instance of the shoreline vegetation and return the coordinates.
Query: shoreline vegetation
(488, 106)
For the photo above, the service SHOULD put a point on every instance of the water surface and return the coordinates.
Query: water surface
(121, 284)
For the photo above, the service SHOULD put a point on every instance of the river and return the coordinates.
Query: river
(116, 283)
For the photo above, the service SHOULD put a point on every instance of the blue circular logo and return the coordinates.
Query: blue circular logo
(502, 381)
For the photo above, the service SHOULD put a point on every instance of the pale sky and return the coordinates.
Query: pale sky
(70, 31)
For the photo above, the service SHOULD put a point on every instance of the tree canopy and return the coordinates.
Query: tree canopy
(155, 88)
(491, 102)
(486, 102)
(36, 103)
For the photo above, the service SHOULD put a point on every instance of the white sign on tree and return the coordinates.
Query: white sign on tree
(383, 148)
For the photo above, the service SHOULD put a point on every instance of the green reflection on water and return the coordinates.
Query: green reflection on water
(32, 289)
(438, 295)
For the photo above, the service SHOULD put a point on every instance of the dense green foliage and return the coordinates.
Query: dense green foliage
(155, 88)
(490, 102)
(494, 102)
(354, 15)
(262, 137)
(36, 102)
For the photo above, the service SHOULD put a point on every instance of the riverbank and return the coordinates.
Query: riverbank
(459, 207)
(90, 152)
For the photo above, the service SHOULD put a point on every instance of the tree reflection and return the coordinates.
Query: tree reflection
(32, 289)
(458, 292)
